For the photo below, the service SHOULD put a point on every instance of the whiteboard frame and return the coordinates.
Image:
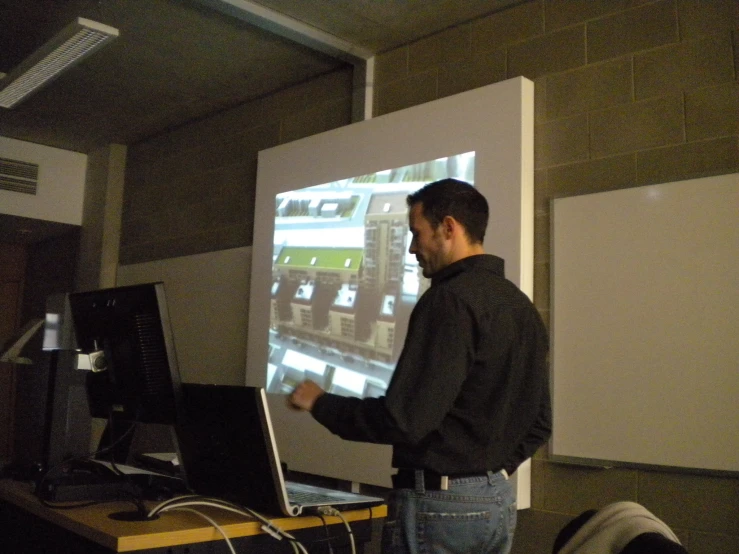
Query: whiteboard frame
(605, 243)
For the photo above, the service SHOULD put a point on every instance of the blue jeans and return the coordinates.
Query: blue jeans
(475, 515)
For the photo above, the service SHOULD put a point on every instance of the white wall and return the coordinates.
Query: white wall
(208, 299)
(61, 183)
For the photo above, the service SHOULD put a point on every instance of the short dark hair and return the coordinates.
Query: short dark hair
(458, 199)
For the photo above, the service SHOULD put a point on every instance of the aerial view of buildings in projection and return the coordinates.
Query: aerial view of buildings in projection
(343, 283)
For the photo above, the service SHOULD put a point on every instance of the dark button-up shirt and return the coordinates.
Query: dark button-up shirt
(470, 391)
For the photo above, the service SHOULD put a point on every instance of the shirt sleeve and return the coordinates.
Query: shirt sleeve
(437, 355)
(541, 429)
(537, 435)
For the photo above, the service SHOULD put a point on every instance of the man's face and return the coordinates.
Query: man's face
(428, 245)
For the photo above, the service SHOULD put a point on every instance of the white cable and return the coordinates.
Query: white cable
(206, 518)
(196, 500)
(159, 507)
(331, 511)
(214, 503)
(300, 546)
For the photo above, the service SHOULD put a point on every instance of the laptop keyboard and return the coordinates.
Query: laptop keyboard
(300, 494)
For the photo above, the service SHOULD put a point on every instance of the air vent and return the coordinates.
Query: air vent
(17, 176)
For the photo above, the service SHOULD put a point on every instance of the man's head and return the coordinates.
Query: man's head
(448, 219)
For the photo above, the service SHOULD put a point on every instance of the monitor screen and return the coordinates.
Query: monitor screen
(126, 333)
(343, 281)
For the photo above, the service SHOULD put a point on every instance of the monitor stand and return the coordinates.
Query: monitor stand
(83, 481)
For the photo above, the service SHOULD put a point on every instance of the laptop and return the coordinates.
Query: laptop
(227, 449)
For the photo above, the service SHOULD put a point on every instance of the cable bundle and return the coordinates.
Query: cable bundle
(186, 503)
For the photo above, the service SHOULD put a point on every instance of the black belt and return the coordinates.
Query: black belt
(406, 479)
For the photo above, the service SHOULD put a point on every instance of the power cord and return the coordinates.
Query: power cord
(183, 502)
(331, 511)
(328, 534)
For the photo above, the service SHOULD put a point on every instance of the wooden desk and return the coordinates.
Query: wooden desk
(29, 526)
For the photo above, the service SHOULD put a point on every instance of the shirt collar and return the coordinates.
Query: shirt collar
(486, 262)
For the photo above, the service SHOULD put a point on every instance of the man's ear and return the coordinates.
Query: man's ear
(449, 226)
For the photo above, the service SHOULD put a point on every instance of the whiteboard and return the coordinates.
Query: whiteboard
(645, 325)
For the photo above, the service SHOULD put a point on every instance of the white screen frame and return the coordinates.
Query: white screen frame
(497, 123)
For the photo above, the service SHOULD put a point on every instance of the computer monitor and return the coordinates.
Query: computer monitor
(133, 376)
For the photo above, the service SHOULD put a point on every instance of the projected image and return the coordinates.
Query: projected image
(343, 283)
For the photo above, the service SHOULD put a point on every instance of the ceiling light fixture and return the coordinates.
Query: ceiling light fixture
(71, 45)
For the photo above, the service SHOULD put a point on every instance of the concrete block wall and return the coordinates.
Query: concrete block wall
(628, 93)
(191, 190)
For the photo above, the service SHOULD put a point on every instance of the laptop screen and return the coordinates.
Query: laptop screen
(225, 450)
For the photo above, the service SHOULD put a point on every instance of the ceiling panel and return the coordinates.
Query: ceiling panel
(174, 61)
(383, 25)
(180, 60)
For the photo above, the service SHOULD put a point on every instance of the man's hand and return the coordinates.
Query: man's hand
(304, 396)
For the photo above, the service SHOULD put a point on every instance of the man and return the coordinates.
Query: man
(469, 398)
